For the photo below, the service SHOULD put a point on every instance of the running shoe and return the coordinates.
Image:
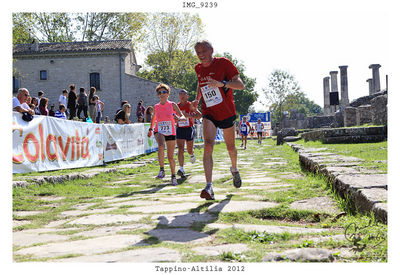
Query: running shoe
(207, 193)
(241, 145)
(192, 158)
(174, 182)
(161, 174)
(237, 181)
(181, 173)
(245, 148)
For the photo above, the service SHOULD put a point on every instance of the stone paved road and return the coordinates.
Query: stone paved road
(163, 223)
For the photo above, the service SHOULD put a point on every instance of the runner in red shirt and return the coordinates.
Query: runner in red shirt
(185, 131)
(217, 77)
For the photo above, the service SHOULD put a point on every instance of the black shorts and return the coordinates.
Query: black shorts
(171, 137)
(223, 124)
(186, 133)
(259, 133)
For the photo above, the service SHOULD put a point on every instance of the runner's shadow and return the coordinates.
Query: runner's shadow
(151, 190)
(187, 227)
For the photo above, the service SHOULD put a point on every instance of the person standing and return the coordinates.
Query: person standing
(63, 98)
(82, 103)
(148, 114)
(164, 129)
(185, 131)
(122, 116)
(40, 95)
(99, 108)
(217, 77)
(244, 131)
(260, 128)
(43, 106)
(92, 103)
(140, 110)
(72, 101)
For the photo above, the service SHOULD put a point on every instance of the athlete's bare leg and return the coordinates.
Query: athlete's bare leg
(170, 155)
(209, 133)
(229, 136)
(161, 146)
(181, 151)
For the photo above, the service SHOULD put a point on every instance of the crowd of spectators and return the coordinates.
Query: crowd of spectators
(78, 106)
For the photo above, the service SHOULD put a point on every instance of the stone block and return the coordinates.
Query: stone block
(379, 110)
(364, 115)
(350, 116)
(366, 198)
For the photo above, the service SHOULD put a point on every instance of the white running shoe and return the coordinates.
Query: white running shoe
(192, 158)
(174, 182)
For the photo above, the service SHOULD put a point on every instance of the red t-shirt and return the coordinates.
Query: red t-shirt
(189, 121)
(217, 103)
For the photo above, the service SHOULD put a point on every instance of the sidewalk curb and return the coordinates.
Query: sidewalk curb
(366, 189)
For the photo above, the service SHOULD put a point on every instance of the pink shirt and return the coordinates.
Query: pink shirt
(165, 123)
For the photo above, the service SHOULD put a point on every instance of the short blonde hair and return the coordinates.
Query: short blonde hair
(163, 86)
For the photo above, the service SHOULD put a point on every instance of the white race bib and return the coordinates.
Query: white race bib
(183, 123)
(211, 96)
(165, 128)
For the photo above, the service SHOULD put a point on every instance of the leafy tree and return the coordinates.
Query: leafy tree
(281, 84)
(246, 97)
(68, 27)
(284, 94)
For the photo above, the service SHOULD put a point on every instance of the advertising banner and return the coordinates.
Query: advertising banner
(48, 143)
(122, 141)
(150, 143)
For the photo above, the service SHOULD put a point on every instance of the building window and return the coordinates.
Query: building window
(43, 75)
(15, 84)
(95, 80)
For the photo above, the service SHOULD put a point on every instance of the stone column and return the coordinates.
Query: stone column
(334, 87)
(326, 96)
(370, 86)
(344, 92)
(375, 77)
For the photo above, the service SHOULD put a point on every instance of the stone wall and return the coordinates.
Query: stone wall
(379, 110)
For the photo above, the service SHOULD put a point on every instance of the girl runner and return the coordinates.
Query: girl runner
(164, 131)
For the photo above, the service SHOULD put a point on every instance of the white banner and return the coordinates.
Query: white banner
(150, 144)
(48, 143)
(122, 141)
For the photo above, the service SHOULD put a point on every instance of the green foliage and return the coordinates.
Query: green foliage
(69, 27)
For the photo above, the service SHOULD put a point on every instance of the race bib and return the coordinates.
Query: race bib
(211, 96)
(165, 128)
(244, 128)
(183, 123)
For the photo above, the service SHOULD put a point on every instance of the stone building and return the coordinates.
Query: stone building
(110, 66)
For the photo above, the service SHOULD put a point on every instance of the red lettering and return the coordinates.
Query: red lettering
(77, 144)
(85, 154)
(50, 156)
(17, 158)
(30, 157)
(41, 141)
(64, 150)
(73, 148)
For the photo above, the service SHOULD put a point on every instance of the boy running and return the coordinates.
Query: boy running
(244, 131)
(185, 131)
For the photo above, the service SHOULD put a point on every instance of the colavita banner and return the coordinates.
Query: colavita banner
(48, 143)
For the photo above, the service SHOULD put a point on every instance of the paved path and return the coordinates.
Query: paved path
(157, 222)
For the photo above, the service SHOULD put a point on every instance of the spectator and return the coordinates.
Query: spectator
(92, 103)
(61, 112)
(29, 100)
(122, 104)
(99, 108)
(52, 111)
(148, 114)
(123, 116)
(72, 101)
(18, 101)
(82, 103)
(35, 103)
(107, 120)
(40, 95)
(43, 106)
(140, 110)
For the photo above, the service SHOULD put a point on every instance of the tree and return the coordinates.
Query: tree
(246, 97)
(281, 84)
(170, 53)
(69, 27)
